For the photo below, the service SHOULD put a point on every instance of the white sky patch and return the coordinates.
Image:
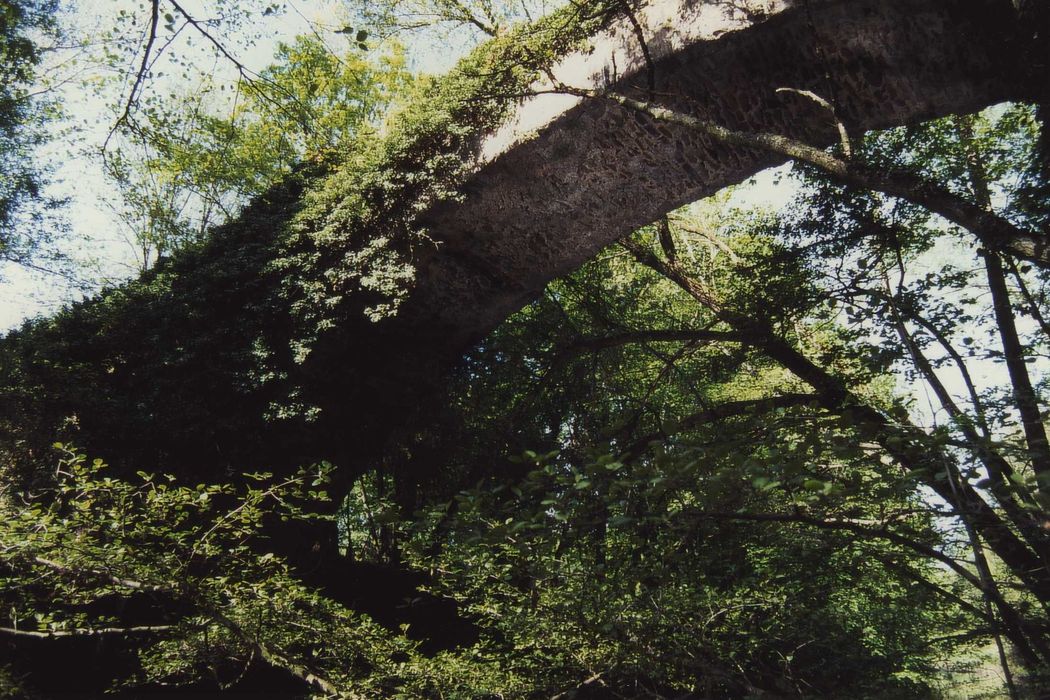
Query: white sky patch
(97, 239)
(771, 189)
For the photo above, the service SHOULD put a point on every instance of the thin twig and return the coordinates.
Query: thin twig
(140, 76)
(844, 140)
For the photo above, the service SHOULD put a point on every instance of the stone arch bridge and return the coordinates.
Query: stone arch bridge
(567, 175)
(562, 178)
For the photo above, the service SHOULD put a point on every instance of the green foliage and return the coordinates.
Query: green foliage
(609, 573)
(185, 168)
(209, 602)
(359, 230)
(194, 554)
(580, 565)
(603, 574)
(24, 25)
(331, 244)
(690, 513)
(579, 570)
(898, 261)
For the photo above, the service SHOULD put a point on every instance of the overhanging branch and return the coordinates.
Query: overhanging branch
(991, 229)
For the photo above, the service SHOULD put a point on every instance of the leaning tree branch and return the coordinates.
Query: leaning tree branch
(1025, 398)
(939, 590)
(991, 229)
(904, 442)
(1030, 300)
(269, 655)
(871, 529)
(999, 469)
(1021, 632)
(729, 409)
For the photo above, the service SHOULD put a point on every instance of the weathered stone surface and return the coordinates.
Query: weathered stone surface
(568, 176)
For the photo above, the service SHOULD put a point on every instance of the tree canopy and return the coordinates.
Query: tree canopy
(741, 452)
(24, 29)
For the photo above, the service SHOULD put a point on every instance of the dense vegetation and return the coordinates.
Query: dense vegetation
(722, 459)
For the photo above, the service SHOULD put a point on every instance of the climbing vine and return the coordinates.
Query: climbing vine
(359, 228)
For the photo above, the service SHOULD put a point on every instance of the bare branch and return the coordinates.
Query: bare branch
(140, 76)
(992, 229)
(654, 336)
(844, 140)
(116, 580)
(86, 631)
(277, 660)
